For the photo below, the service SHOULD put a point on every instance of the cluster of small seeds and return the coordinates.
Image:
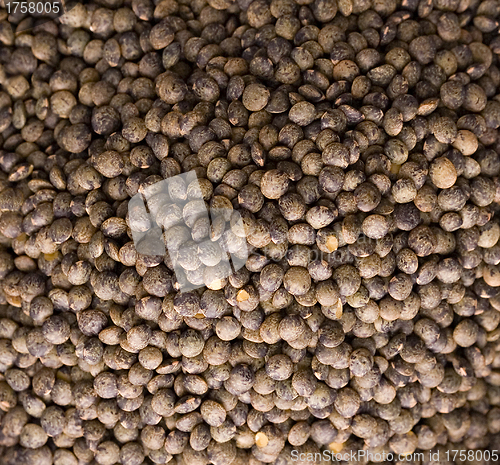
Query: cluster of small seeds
(356, 141)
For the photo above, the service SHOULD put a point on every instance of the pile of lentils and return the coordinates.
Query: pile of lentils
(358, 143)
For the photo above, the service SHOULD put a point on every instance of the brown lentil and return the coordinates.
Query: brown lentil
(342, 290)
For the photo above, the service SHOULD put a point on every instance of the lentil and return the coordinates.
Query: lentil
(342, 292)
